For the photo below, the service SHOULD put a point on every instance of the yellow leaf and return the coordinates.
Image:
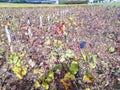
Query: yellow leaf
(45, 85)
(69, 75)
(37, 84)
(55, 43)
(77, 58)
(47, 42)
(36, 71)
(87, 89)
(65, 33)
(26, 33)
(66, 78)
(16, 69)
(19, 72)
(62, 59)
(88, 78)
(66, 85)
(22, 54)
(59, 42)
(24, 71)
(84, 56)
(18, 76)
(71, 18)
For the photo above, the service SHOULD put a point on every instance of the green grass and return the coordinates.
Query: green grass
(37, 5)
(117, 4)
(19, 5)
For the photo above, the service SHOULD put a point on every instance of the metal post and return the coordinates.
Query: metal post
(8, 34)
(29, 28)
(40, 21)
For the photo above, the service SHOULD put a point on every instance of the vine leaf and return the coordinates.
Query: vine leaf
(74, 67)
(66, 81)
(88, 77)
(37, 84)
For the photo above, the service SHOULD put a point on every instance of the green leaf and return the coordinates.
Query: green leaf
(93, 61)
(74, 67)
(118, 70)
(19, 63)
(1, 43)
(1, 51)
(92, 64)
(47, 42)
(59, 66)
(69, 54)
(69, 75)
(111, 49)
(42, 77)
(14, 59)
(94, 58)
(50, 77)
(84, 56)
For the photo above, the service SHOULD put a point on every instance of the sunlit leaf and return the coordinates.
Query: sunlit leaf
(24, 71)
(45, 85)
(17, 71)
(19, 76)
(37, 84)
